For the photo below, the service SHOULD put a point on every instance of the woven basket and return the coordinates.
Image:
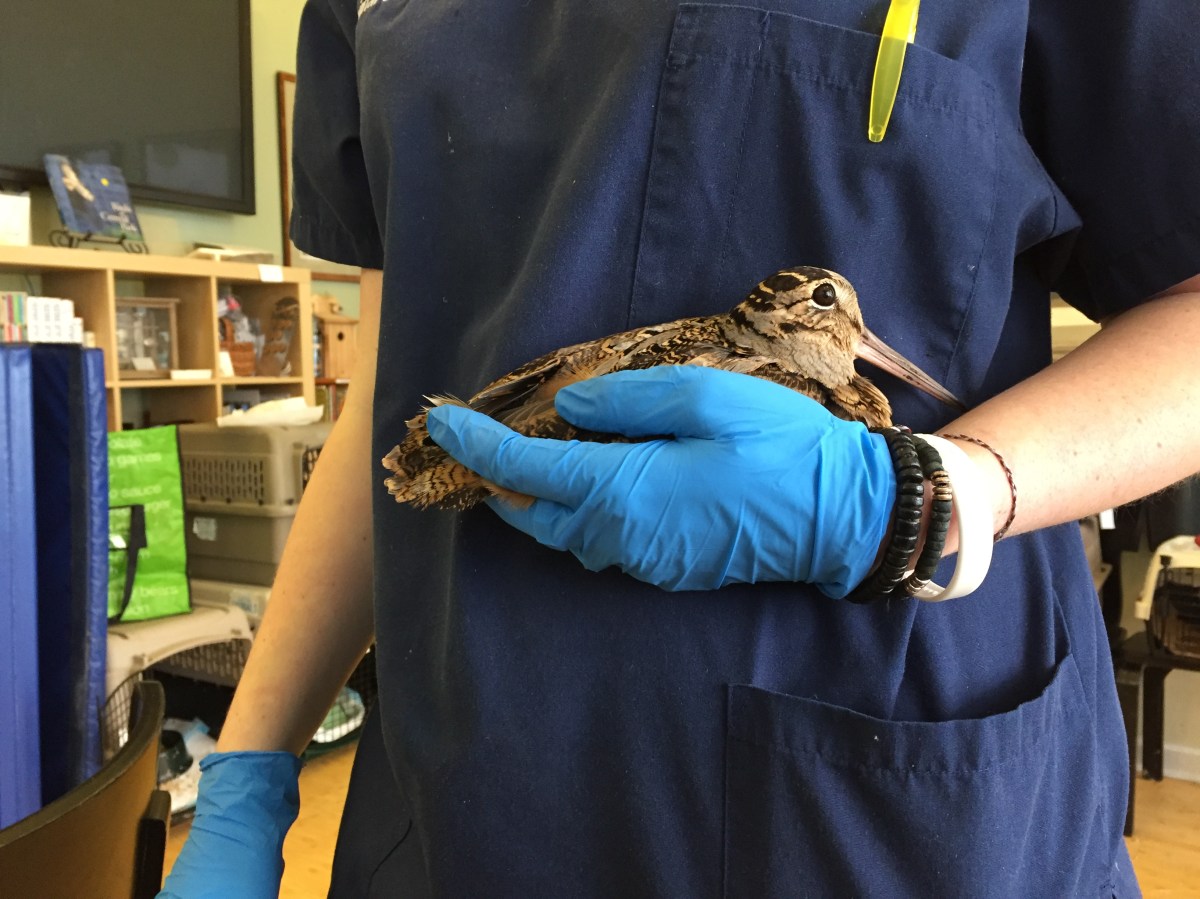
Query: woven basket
(241, 354)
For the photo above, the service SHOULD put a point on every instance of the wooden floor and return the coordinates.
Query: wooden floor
(1165, 845)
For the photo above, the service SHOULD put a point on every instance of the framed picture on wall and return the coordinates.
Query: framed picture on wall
(322, 270)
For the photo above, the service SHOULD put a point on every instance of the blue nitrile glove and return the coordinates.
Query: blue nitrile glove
(246, 804)
(759, 484)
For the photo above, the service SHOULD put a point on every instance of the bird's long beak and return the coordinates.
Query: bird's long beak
(872, 349)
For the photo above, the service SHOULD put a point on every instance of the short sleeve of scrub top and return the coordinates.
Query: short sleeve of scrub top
(1110, 106)
(333, 216)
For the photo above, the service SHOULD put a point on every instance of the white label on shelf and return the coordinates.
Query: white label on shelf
(204, 528)
(270, 273)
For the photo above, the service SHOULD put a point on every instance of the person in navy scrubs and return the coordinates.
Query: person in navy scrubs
(580, 701)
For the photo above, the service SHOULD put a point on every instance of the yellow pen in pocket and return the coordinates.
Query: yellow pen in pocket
(899, 29)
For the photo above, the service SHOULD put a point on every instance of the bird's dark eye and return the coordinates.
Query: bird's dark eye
(825, 296)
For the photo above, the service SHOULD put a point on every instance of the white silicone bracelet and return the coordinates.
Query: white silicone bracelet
(972, 512)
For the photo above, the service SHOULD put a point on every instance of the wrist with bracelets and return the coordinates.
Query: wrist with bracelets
(955, 486)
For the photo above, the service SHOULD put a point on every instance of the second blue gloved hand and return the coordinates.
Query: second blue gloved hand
(247, 802)
(746, 481)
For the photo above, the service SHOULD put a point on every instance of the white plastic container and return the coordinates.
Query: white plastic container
(250, 598)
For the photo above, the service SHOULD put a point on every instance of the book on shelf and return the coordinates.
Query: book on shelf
(35, 319)
(12, 317)
(92, 198)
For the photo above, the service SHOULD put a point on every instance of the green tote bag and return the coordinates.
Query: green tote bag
(147, 559)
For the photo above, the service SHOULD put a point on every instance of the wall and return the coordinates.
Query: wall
(171, 230)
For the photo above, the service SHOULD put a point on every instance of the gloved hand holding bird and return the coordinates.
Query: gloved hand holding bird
(801, 328)
(652, 451)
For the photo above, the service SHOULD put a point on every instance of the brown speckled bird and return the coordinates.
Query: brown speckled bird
(801, 328)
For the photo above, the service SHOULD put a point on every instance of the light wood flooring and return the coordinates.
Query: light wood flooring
(1165, 845)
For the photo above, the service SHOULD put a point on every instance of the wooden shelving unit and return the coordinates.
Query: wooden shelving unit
(94, 279)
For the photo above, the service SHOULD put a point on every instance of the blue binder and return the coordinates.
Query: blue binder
(20, 754)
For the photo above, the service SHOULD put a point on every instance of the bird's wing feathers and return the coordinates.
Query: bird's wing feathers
(519, 384)
(524, 400)
(771, 371)
(541, 378)
(860, 400)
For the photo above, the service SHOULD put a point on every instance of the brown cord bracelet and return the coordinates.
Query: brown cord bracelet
(1012, 483)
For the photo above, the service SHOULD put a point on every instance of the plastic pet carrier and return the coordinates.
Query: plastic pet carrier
(241, 488)
(1170, 598)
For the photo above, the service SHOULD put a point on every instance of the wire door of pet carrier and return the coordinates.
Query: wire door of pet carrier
(210, 644)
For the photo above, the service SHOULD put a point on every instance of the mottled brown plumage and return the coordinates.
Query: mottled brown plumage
(801, 328)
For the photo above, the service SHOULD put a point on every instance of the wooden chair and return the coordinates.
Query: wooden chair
(106, 837)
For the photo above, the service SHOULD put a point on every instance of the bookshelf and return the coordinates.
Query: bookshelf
(94, 280)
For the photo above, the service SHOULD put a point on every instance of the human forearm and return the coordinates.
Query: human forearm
(319, 621)
(1113, 421)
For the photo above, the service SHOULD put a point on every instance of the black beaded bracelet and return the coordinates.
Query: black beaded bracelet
(941, 507)
(906, 519)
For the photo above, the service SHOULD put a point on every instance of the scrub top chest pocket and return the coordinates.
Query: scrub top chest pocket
(760, 159)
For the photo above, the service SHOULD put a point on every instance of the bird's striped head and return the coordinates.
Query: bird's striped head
(806, 317)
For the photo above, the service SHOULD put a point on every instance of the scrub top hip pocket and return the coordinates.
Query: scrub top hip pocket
(823, 801)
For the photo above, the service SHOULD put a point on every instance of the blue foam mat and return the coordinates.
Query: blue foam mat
(71, 471)
(20, 756)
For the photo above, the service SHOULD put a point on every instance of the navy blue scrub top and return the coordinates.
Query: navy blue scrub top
(533, 174)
